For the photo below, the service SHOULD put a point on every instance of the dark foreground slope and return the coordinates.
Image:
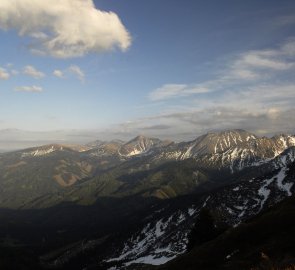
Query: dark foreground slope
(264, 242)
(60, 237)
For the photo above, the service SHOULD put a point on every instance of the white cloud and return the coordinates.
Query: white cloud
(273, 113)
(73, 70)
(254, 90)
(58, 73)
(288, 49)
(264, 109)
(280, 59)
(244, 70)
(243, 73)
(4, 75)
(77, 72)
(63, 29)
(256, 59)
(175, 90)
(33, 72)
(34, 89)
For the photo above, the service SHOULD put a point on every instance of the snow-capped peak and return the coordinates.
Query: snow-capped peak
(139, 145)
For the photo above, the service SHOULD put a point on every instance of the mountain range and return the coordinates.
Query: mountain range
(128, 205)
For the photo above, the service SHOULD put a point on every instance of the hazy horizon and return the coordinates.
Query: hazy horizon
(15, 139)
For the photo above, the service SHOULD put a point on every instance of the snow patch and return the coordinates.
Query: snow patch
(151, 259)
(181, 218)
(134, 153)
(284, 187)
(191, 211)
(39, 152)
(264, 192)
(205, 202)
(279, 177)
(145, 247)
(230, 211)
(231, 254)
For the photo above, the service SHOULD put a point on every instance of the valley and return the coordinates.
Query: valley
(121, 205)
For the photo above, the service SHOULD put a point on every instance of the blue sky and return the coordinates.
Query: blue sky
(171, 69)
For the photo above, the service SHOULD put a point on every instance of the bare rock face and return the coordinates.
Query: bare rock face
(141, 145)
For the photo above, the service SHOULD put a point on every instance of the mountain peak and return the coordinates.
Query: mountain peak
(216, 142)
(139, 145)
(49, 148)
(95, 143)
(139, 138)
(231, 132)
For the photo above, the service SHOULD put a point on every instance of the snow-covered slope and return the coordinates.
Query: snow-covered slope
(100, 148)
(40, 151)
(253, 152)
(233, 150)
(164, 236)
(47, 149)
(160, 240)
(247, 198)
(141, 145)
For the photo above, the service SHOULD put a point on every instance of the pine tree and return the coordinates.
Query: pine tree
(204, 229)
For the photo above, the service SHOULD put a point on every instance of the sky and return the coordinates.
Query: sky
(80, 70)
